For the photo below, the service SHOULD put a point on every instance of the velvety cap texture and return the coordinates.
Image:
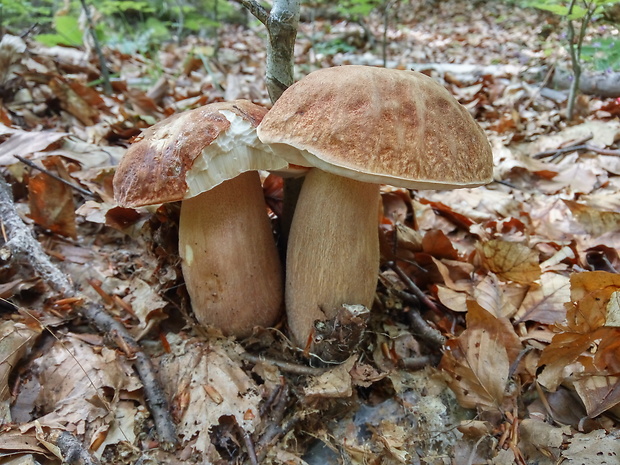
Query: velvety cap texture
(191, 152)
(379, 125)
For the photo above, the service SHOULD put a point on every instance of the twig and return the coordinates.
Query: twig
(420, 327)
(285, 366)
(257, 10)
(417, 363)
(79, 189)
(249, 446)
(105, 73)
(73, 451)
(542, 85)
(276, 429)
(23, 245)
(412, 287)
(577, 148)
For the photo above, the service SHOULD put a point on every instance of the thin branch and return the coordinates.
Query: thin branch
(257, 10)
(22, 244)
(249, 446)
(284, 366)
(73, 451)
(578, 148)
(31, 164)
(105, 73)
(415, 290)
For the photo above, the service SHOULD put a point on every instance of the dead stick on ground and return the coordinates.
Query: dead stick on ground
(23, 245)
(415, 290)
(73, 451)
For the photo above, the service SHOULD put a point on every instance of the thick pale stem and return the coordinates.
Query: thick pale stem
(333, 250)
(230, 262)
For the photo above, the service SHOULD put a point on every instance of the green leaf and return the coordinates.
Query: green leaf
(68, 27)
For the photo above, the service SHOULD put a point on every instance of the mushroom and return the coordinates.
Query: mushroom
(208, 158)
(360, 127)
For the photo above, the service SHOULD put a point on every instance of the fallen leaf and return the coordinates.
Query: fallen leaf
(511, 260)
(595, 448)
(598, 393)
(15, 341)
(479, 360)
(545, 300)
(596, 222)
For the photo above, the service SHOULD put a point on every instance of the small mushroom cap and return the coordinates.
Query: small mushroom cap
(192, 152)
(380, 126)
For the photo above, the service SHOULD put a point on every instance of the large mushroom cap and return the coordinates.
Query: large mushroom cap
(192, 152)
(380, 126)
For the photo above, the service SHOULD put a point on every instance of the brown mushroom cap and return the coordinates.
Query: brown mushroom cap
(191, 152)
(380, 126)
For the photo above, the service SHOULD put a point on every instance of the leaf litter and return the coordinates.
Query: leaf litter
(522, 272)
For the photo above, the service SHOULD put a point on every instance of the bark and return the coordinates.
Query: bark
(281, 23)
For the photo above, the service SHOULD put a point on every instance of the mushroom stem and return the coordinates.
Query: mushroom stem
(333, 250)
(229, 258)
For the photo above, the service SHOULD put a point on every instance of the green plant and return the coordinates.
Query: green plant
(18, 13)
(579, 13)
(603, 54)
(66, 32)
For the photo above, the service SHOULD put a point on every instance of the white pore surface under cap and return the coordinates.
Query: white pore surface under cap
(235, 151)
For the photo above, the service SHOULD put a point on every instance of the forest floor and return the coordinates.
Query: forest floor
(518, 360)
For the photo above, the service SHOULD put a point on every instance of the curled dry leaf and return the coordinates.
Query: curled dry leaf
(587, 352)
(479, 360)
(596, 222)
(511, 260)
(594, 296)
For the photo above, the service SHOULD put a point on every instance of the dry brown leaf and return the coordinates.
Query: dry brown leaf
(334, 383)
(598, 393)
(88, 381)
(24, 143)
(540, 441)
(454, 300)
(437, 244)
(51, 205)
(511, 260)
(12, 442)
(478, 361)
(592, 294)
(595, 448)
(584, 283)
(15, 341)
(206, 384)
(456, 275)
(596, 222)
(72, 102)
(489, 295)
(570, 354)
(545, 301)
